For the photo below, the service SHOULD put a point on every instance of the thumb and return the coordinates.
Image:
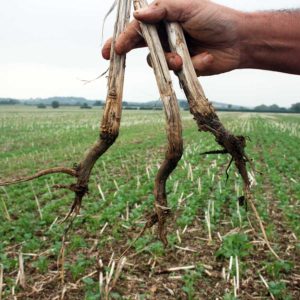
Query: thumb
(204, 64)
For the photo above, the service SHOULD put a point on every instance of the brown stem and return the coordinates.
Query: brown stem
(113, 108)
(63, 170)
(174, 127)
(206, 117)
(203, 112)
(111, 118)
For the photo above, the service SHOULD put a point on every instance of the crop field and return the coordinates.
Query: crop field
(216, 249)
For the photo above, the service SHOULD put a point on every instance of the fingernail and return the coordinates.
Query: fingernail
(140, 11)
(149, 60)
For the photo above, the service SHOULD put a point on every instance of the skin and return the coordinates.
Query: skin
(221, 39)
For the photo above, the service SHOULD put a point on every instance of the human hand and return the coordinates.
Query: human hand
(212, 34)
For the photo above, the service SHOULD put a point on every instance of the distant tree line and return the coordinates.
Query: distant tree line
(83, 103)
(295, 108)
(9, 102)
(56, 104)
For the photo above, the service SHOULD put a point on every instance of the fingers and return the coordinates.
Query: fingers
(129, 39)
(157, 11)
(204, 64)
(168, 10)
(106, 49)
(174, 61)
(151, 14)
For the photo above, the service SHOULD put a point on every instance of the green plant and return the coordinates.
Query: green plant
(229, 296)
(156, 248)
(279, 290)
(42, 264)
(278, 267)
(190, 280)
(236, 244)
(77, 242)
(30, 138)
(79, 267)
(91, 289)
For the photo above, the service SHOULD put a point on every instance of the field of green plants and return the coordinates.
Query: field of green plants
(216, 249)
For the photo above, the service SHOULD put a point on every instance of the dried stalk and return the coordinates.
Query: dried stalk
(174, 127)
(203, 112)
(7, 215)
(21, 273)
(184, 268)
(113, 107)
(267, 286)
(1, 280)
(110, 123)
(207, 119)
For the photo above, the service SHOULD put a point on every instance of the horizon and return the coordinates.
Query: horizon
(140, 102)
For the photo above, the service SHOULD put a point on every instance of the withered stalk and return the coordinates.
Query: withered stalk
(111, 120)
(173, 120)
(110, 123)
(207, 119)
(203, 112)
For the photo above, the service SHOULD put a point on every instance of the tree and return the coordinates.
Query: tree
(98, 103)
(183, 104)
(261, 108)
(41, 105)
(55, 104)
(85, 106)
(4, 101)
(296, 107)
(274, 107)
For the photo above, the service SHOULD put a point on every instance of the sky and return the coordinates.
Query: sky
(48, 47)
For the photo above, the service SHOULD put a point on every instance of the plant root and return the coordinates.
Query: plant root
(174, 127)
(162, 211)
(207, 119)
(109, 126)
(63, 170)
(152, 220)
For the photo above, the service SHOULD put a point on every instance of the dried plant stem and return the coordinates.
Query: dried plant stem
(261, 225)
(113, 108)
(110, 123)
(174, 127)
(21, 273)
(203, 112)
(1, 280)
(207, 119)
(267, 286)
(119, 269)
(7, 215)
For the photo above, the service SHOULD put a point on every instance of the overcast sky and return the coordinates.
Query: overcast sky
(48, 46)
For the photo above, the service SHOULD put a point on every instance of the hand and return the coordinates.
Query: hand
(212, 34)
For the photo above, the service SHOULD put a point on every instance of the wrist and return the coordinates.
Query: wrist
(247, 39)
(269, 41)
